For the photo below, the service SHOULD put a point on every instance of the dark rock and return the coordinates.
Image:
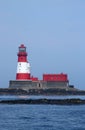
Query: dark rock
(50, 91)
(45, 101)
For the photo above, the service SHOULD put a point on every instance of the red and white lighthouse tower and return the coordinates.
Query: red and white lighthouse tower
(23, 67)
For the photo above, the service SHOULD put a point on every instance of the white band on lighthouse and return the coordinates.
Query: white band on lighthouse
(23, 67)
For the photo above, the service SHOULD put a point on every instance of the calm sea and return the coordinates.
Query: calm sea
(41, 117)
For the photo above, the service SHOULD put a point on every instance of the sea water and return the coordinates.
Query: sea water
(41, 117)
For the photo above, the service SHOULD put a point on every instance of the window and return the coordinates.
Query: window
(22, 49)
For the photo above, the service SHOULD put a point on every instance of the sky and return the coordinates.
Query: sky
(53, 32)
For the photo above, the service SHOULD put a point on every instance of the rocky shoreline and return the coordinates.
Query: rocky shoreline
(50, 92)
(45, 101)
(8, 91)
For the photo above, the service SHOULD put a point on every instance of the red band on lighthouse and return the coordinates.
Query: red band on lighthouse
(23, 67)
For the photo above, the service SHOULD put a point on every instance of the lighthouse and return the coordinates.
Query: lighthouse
(32, 84)
(23, 66)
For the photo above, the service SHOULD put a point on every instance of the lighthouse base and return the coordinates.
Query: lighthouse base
(29, 84)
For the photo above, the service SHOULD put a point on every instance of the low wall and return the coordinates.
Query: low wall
(29, 84)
